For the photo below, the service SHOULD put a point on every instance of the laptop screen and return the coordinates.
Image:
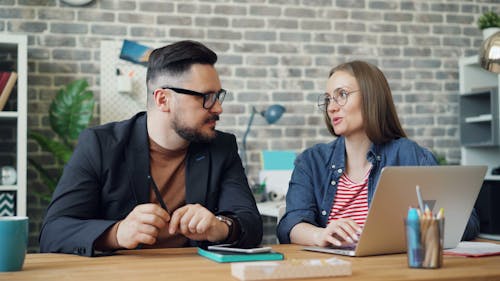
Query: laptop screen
(453, 188)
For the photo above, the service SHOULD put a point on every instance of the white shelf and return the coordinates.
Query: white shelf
(9, 114)
(489, 236)
(473, 77)
(8, 187)
(488, 155)
(479, 118)
(18, 45)
(490, 177)
(472, 60)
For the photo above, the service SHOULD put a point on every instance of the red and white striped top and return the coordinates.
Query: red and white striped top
(351, 200)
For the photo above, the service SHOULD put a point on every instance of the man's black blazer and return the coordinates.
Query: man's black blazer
(107, 176)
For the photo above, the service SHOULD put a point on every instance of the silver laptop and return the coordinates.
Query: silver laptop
(454, 188)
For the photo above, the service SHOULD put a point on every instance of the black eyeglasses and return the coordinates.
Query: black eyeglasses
(208, 99)
(340, 96)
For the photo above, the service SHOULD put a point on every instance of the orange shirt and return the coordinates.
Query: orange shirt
(168, 171)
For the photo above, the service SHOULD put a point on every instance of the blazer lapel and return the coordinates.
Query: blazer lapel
(197, 169)
(137, 161)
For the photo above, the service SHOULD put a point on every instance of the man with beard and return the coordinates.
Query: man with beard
(164, 178)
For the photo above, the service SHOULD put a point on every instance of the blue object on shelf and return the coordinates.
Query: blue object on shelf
(278, 159)
(135, 52)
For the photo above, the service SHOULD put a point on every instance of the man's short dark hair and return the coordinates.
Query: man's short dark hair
(177, 58)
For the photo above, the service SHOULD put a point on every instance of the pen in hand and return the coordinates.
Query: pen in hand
(157, 194)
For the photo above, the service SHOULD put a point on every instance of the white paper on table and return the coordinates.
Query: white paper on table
(474, 249)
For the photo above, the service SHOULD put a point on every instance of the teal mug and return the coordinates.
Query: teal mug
(13, 242)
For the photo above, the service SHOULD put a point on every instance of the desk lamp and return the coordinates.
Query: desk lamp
(271, 115)
(489, 54)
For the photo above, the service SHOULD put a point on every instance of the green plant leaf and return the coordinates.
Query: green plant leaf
(441, 158)
(488, 19)
(50, 181)
(59, 150)
(71, 110)
(70, 113)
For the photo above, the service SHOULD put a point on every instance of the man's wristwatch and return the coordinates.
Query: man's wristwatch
(230, 225)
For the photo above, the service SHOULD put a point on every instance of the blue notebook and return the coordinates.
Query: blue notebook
(220, 256)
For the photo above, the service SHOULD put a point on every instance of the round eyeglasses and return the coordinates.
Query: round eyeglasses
(340, 96)
(209, 99)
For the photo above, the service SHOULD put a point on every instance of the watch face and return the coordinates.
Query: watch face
(225, 220)
(8, 175)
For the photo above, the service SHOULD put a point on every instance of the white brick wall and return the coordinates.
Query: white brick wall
(271, 51)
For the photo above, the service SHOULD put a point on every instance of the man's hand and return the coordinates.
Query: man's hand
(338, 232)
(197, 223)
(142, 226)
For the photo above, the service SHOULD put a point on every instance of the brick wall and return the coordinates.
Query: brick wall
(271, 51)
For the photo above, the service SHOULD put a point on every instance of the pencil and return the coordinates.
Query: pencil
(157, 194)
(419, 198)
(424, 224)
(427, 211)
(437, 244)
(426, 242)
(440, 214)
(433, 245)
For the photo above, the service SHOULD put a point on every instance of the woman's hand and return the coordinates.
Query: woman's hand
(339, 232)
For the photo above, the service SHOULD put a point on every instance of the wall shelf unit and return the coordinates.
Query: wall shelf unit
(480, 137)
(479, 116)
(13, 123)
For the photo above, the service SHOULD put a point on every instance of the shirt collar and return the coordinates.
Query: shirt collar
(337, 152)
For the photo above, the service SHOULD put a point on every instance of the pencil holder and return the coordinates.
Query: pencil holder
(424, 240)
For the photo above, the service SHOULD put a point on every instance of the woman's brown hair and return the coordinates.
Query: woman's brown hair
(379, 114)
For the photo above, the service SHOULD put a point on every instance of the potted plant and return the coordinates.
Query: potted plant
(70, 113)
(489, 23)
(440, 157)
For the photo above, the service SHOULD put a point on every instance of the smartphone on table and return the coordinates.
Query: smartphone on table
(228, 248)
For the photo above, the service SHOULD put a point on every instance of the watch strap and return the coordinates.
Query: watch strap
(233, 227)
(230, 225)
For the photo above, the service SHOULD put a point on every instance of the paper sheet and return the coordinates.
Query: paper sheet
(474, 249)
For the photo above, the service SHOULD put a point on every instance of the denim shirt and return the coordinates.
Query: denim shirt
(313, 185)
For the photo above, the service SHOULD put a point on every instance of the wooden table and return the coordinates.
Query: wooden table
(185, 264)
